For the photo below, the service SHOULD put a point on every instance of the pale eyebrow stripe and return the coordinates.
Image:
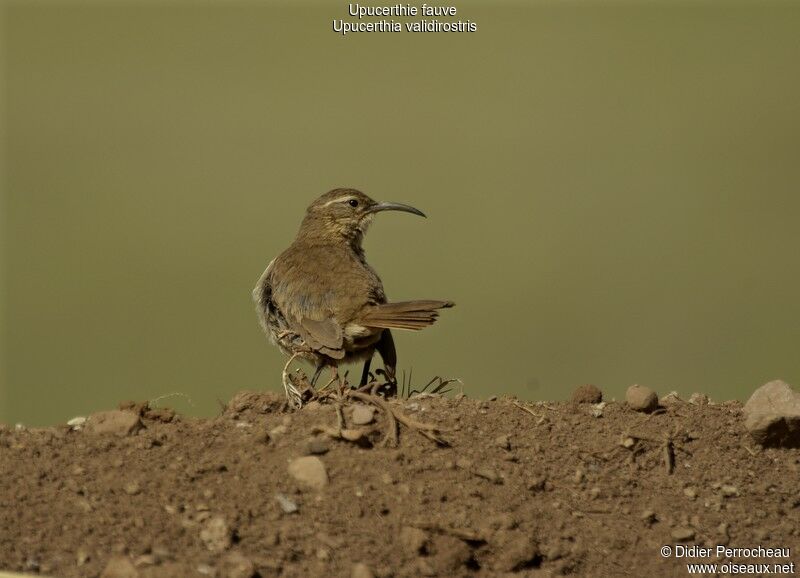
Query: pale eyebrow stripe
(339, 200)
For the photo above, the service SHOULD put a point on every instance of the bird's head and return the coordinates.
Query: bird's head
(346, 214)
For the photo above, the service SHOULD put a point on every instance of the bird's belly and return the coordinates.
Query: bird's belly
(357, 337)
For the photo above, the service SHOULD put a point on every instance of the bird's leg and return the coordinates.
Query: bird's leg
(388, 353)
(365, 372)
(336, 377)
(317, 373)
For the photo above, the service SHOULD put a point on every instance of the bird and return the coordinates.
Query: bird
(321, 301)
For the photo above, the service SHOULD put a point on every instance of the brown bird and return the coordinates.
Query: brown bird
(320, 300)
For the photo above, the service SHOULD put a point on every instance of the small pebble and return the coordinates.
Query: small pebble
(309, 471)
(82, 556)
(489, 474)
(217, 535)
(261, 437)
(237, 565)
(587, 394)
(729, 491)
(641, 398)
(537, 484)
(413, 540)
(145, 560)
(464, 463)
(671, 398)
(504, 521)
(682, 534)
(119, 567)
(424, 568)
(278, 431)
(317, 446)
(287, 505)
(361, 570)
(362, 414)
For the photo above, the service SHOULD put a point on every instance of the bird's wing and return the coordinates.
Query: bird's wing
(404, 314)
(309, 319)
(322, 335)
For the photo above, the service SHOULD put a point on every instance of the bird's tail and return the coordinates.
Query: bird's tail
(413, 315)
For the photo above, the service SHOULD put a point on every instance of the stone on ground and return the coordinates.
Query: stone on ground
(413, 540)
(119, 567)
(641, 398)
(361, 570)
(237, 565)
(587, 394)
(772, 415)
(309, 471)
(362, 415)
(217, 535)
(117, 422)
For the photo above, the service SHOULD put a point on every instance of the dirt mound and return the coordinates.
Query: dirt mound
(517, 489)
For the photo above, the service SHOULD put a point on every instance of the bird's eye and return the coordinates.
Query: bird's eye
(353, 202)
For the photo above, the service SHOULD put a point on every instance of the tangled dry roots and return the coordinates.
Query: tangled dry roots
(394, 419)
(299, 391)
(395, 416)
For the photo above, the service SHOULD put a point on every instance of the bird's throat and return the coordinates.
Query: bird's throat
(316, 230)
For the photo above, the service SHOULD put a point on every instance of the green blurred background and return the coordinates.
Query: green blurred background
(612, 192)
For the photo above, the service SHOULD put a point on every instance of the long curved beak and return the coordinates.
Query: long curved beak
(395, 207)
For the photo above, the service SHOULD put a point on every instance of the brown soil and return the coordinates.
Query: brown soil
(522, 490)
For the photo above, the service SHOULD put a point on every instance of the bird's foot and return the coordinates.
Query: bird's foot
(385, 389)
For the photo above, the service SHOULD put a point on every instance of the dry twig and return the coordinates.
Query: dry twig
(461, 533)
(293, 395)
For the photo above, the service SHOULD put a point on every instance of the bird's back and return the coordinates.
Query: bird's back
(318, 281)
